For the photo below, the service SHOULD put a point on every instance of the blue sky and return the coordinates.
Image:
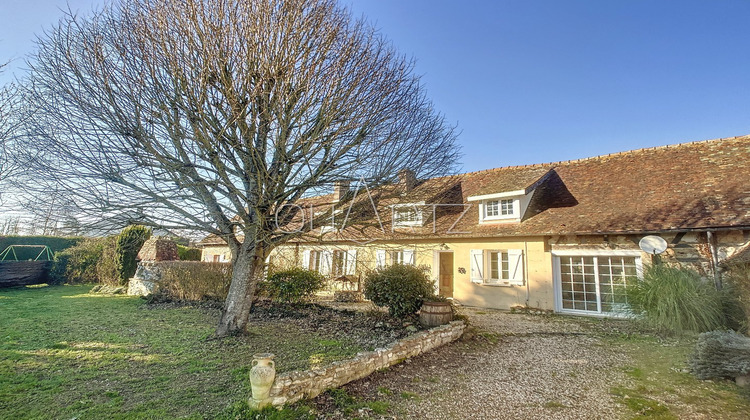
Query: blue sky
(531, 81)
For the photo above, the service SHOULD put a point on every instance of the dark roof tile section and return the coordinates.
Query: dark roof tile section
(507, 179)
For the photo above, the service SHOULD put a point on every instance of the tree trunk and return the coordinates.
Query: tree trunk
(247, 271)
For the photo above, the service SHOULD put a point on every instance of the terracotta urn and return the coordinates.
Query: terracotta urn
(262, 375)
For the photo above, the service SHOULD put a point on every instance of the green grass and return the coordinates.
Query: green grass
(65, 353)
(659, 385)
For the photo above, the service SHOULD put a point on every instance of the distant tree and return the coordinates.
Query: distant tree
(217, 115)
(9, 123)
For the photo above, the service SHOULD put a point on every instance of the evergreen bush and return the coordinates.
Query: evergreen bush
(676, 300)
(721, 354)
(78, 264)
(400, 287)
(293, 285)
(129, 242)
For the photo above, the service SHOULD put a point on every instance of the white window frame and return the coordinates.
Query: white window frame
(388, 257)
(348, 262)
(331, 225)
(500, 205)
(400, 222)
(557, 280)
(481, 267)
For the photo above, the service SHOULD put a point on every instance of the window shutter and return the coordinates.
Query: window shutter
(477, 266)
(515, 266)
(325, 263)
(351, 261)
(409, 256)
(380, 258)
(306, 259)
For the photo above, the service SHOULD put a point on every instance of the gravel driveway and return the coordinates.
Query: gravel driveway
(516, 366)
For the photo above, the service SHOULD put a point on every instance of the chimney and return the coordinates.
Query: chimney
(407, 179)
(340, 189)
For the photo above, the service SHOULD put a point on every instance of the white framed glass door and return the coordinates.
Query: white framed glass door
(595, 284)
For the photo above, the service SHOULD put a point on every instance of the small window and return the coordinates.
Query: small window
(339, 263)
(314, 263)
(502, 267)
(385, 258)
(499, 266)
(500, 209)
(407, 215)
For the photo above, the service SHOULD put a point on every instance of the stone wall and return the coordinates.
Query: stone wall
(293, 386)
(147, 275)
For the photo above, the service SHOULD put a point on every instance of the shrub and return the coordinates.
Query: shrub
(721, 354)
(675, 300)
(194, 280)
(126, 248)
(188, 254)
(78, 264)
(293, 285)
(402, 288)
(107, 267)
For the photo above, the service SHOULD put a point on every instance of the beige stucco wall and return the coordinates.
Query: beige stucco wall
(537, 268)
(209, 252)
(538, 290)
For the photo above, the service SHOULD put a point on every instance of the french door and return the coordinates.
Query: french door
(595, 284)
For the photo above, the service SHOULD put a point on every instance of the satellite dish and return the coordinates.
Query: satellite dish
(653, 244)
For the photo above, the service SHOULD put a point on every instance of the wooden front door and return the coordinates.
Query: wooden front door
(446, 274)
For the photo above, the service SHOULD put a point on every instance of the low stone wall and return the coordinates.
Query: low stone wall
(293, 386)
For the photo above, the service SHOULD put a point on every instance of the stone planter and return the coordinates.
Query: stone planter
(262, 375)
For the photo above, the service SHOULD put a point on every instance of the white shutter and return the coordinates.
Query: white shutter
(380, 258)
(325, 263)
(306, 259)
(477, 266)
(515, 266)
(351, 261)
(409, 256)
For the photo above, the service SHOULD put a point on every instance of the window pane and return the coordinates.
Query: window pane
(506, 207)
(491, 208)
(494, 274)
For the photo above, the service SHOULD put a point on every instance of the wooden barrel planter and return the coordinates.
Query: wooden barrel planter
(433, 314)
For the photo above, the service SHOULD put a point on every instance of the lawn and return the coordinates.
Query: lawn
(65, 353)
(660, 386)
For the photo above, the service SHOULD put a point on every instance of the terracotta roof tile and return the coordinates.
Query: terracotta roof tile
(687, 186)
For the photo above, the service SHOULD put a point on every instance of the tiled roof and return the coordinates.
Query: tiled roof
(687, 186)
(507, 179)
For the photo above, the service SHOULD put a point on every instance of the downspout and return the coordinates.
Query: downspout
(526, 269)
(714, 258)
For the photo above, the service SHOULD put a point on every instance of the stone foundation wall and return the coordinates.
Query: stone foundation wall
(293, 386)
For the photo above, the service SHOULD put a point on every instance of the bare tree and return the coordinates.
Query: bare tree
(217, 115)
(9, 123)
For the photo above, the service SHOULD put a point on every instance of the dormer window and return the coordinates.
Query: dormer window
(502, 207)
(499, 208)
(407, 215)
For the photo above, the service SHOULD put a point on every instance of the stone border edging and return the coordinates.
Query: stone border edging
(291, 387)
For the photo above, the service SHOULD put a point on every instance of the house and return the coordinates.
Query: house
(559, 236)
